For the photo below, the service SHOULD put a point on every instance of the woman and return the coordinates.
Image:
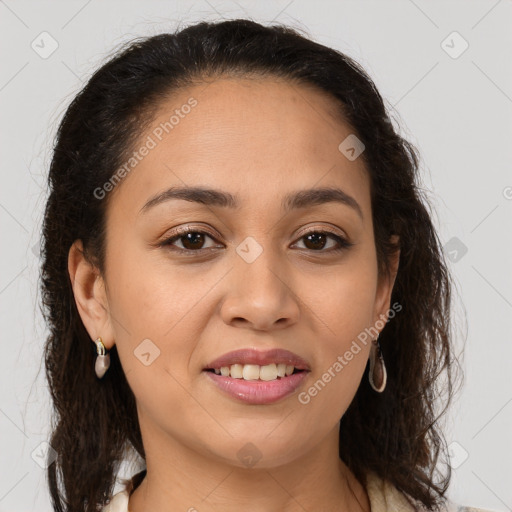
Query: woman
(235, 242)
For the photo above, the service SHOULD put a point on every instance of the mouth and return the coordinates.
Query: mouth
(246, 363)
(252, 372)
(257, 391)
(256, 377)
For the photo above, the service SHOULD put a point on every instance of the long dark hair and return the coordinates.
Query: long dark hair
(395, 433)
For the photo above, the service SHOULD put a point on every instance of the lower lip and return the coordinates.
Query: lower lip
(258, 392)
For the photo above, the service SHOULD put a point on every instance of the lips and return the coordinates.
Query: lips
(257, 392)
(261, 358)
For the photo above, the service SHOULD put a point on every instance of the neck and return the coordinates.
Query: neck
(179, 478)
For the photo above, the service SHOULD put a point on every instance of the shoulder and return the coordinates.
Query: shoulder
(118, 503)
(461, 508)
(384, 497)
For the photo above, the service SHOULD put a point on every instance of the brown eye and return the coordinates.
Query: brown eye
(191, 240)
(318, 240)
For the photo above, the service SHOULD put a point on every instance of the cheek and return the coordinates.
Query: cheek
(159, 311)
(343, 306)
(343, 299)
(342, 359)
(148, 294)
(154, 320)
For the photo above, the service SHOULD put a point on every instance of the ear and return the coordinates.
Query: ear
(385, 286)
(90, 295)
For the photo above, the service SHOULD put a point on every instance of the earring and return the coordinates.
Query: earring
(378, 374)
(102, 360)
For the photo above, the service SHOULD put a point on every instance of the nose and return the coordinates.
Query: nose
(260, 296)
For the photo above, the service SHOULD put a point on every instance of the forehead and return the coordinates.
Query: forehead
(256, 138)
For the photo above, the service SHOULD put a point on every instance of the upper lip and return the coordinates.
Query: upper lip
(259, 357)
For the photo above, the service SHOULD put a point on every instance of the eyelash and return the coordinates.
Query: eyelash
(343, 244)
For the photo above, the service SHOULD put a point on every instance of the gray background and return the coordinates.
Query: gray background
(456, 107)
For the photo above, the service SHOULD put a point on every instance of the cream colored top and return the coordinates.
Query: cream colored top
(383, 498)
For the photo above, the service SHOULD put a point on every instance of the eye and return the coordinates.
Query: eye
(316, 241)
(192, 240)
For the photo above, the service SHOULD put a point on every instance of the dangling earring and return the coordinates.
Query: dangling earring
(102, 360)
(377, 374)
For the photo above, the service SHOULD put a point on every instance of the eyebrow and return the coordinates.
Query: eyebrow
(294, 200)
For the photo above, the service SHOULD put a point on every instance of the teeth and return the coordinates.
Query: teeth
(255, 372)
(250, 372)
(236, 371)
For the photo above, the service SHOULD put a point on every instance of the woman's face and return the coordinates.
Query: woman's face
(253, 280)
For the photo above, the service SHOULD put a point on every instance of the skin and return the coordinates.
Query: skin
(258, 140)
